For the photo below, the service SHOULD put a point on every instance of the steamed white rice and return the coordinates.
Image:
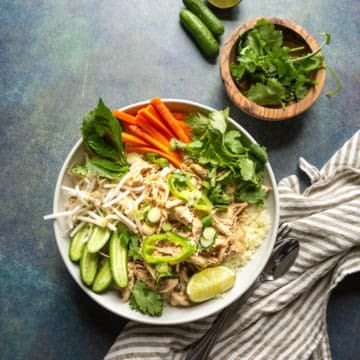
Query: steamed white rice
(256, 224)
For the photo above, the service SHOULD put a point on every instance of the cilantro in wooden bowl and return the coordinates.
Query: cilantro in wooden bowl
(272, 68)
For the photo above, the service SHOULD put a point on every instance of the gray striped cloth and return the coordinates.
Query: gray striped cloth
(285, 318)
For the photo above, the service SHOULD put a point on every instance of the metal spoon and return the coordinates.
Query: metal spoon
(279, 263)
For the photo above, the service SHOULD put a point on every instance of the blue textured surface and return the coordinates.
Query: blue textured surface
(56, 59)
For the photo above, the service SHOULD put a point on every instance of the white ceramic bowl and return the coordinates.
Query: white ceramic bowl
(171, 315)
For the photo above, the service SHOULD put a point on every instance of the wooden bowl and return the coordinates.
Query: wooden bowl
(293, 35)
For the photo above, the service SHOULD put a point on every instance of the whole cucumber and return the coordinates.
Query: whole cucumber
(200, 32)
(199, 8)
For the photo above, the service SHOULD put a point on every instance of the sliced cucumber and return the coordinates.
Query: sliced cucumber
(88, 266)
(208, 237)
(78, 242)
(118, 260)
(103, 278)
(99, 237)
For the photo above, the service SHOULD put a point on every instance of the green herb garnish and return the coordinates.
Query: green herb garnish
(230, 159)
(101, 134)
(145, 300)
(274, 76)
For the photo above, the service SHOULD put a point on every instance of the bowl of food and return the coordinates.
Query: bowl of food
(165, 221)
(272, 68)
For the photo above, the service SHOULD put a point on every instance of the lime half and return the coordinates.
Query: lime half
(209, 283)
(224, 4)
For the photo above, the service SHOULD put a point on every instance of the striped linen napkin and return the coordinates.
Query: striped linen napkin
(285, 318)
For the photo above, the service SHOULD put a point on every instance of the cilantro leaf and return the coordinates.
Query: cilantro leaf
(251, 193)
(271, 37)
(134, 251)
(232, 141)
(273, 76)
(270, 93)
(259, 152)
(247, 168)
(130, 241)
(198, 122)
(229, 158)
(145, 300)
(238, 70)
(218, 120)
(220, 197)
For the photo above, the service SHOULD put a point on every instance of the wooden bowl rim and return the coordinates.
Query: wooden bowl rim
(251, 108)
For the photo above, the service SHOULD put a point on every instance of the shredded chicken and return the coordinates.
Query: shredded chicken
(108, 203)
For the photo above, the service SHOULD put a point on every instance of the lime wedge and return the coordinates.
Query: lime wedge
(209, 283)
(224, 4)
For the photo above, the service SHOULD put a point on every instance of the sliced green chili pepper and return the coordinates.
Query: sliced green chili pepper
(204, 204)
(180, 185)
(150, 245)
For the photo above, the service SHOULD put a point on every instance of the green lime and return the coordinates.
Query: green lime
(209, 283)
(224, 4)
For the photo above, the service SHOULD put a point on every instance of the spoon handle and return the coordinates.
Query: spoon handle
(201, 349)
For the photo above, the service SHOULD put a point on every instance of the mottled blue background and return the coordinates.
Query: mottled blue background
(56, 59)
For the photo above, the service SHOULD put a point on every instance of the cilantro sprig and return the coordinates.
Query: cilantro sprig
(145, 300)
(276, 77)
(230, 159)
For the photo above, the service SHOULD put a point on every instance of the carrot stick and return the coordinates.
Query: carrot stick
(142, 122)
(136, 130)
(145, 150)
(132, 139)
(155, 119)
(122, 115)
(169, 119)
(179, 115)
(185, 127)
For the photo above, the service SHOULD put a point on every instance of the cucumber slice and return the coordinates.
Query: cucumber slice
(88, 266)
(99, 237)
(78, 242)
(118, 260)
(103, 278)
(208, 237)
